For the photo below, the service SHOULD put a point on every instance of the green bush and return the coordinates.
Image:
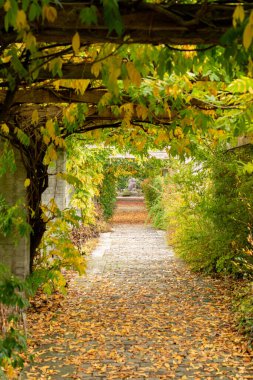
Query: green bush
(108, 194)
(209, 212)
(243, 306)
(157, 215)
(153, 192)
(13, 300)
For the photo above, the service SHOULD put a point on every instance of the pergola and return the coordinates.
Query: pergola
(168, 24)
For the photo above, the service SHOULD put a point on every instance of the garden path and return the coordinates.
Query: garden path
(139, 314)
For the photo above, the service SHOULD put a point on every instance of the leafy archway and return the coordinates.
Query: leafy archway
(140, 75)
(121, 73)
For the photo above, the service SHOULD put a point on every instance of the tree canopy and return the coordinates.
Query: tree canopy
(139, 74)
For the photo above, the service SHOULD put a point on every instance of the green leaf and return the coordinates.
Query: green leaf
(112, 16)
(34, 11)
(7, 160)
(88, 15)
(18, 65)
(25, 4)
(22, 136)
(241, 85)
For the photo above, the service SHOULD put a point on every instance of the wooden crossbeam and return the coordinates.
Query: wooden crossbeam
(178, 24)
(26, 96)
(50, 95)
(94, 116)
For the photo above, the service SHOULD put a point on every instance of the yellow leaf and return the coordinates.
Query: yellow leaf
(105, 100)
(30, 40)
(140, 145)
(133, 74)
(238, 14)
(247, 36)
(21, 21)
(81, 85)
(27, 182)
(10, 372)
(7, 5)
(59, 142)
(44, 217)
(5, 128)
(46, 139)
(156, 92)
(127, 108)
(57, 84)
(96, 134)
(6, 59)
(76, 43)
(50, 128)
(49, 13)
(178, 132)
(35, 117)
(51, 155)
(96, 68)
(250, 68)
(126, 83)
(56, 62)
(69, 113)
(53, 206)
(142, 111)
(162, 137)
(167, 109)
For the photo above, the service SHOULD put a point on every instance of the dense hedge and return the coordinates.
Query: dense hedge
(108, 194)
(206, 206)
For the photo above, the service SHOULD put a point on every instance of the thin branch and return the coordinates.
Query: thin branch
(183, 50)
(214, 106)
(103, 126)
(52, 56)
(112, 53)
(42, 48)
(238, 147)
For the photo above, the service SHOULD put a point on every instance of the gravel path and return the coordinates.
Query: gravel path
(140, 314)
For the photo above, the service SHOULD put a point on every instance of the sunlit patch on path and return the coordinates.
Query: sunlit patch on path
(141, 315)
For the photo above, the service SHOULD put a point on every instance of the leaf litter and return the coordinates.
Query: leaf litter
(141, 318)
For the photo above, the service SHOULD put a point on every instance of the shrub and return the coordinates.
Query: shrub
(152, 190)
(243, 306)
(14, 294)
(209, 212)
(153, 193)
(57, 252)
(108, 194)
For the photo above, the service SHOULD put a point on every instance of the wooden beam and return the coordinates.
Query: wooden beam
(143, 23)
(23, 115)
(71, 71)
(64, 95)
(50, 95)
